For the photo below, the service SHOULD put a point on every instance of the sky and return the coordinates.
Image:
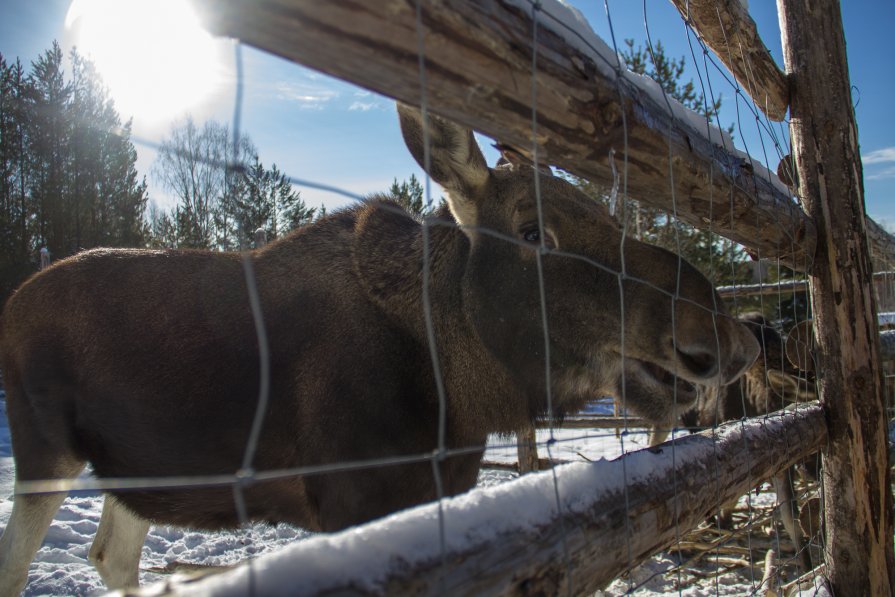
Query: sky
(320, 129)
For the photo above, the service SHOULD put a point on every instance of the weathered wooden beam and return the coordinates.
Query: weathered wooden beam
(882, 244)
(478, 71)
(512, 539)
(887, 345)
(787, 286)
(543, 465)
(727, 29)
(596, 422)
(527, 445)
(857, 490)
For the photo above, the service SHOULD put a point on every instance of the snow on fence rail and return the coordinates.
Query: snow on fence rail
(510, 539)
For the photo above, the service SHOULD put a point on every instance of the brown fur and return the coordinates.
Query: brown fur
(145, 363)
(769, 384)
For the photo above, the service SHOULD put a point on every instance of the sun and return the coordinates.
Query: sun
(154, 56)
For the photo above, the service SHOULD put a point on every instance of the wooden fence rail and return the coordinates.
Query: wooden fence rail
(726, 27)
(512, 539)
(596, 422)
(478, 57)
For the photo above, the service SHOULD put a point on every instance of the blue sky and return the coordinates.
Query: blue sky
(316, 128)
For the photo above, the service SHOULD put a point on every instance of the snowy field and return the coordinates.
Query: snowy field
(61, 566)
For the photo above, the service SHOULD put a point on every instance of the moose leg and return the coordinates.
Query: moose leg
(28, 524)
(658, 434)
(118, 545)
(787, 504)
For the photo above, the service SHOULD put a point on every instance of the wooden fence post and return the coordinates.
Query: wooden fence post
(527, 449)
(858, 497)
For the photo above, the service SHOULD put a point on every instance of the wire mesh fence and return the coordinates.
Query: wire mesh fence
(732, 546)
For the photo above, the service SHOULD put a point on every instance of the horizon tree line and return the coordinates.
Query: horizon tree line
(69, 182)
(68, 179)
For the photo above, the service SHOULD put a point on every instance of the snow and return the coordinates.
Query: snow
(61, 566)
(568, 22)
(370, 552)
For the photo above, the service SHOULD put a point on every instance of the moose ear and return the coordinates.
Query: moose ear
(455, 160)
(513, 158)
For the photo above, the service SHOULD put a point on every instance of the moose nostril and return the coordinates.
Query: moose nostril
(700, 363)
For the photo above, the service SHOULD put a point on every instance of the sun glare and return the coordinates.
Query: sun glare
(153, 55)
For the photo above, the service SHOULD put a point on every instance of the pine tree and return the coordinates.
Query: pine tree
(84, 167)
(162, 233)
(124, 190)
(14, 214)
(292, 212)
(264, 198)
(68, 176)
(9, 208)
(409, 194)
(247, 206)
(49, 131)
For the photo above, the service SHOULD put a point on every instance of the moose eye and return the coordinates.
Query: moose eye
(533, 235)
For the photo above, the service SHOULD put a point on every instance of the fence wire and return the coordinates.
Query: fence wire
(707, 70)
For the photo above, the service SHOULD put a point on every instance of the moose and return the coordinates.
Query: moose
(772, 382)
(145, 363)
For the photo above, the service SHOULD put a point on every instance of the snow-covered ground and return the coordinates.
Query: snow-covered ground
(61, 566)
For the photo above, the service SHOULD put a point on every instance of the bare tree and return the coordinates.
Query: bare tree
(193, 165)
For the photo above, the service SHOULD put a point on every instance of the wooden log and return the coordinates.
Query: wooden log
(512, 539)
(784, 287)
(727, 29)
(857, 490)
(596, 422)
(809, 583)
(882, 244)
(770, 580)
(787, 286)
(478, 71)
(887, 345)
(527, 449)
(543, 464)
